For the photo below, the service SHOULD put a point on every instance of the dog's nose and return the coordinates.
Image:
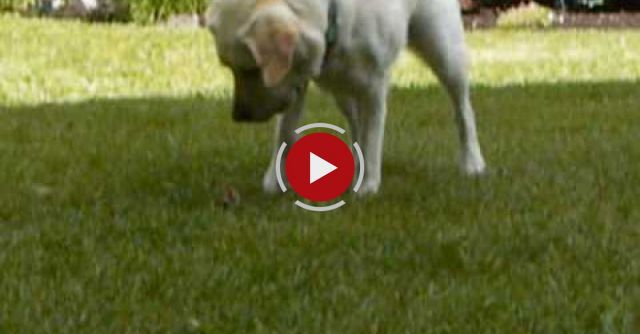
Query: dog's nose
(241, 117)
(241, 112)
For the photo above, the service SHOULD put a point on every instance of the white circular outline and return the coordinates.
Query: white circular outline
(359, 154)
(361, 161)
(283, 187)
(321, 208)
(321, 126)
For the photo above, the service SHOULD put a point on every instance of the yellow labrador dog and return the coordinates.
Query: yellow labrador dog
(276, 47)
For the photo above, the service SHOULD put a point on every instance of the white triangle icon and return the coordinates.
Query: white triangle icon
(319, 168)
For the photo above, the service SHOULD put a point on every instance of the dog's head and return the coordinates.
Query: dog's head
(269, 52)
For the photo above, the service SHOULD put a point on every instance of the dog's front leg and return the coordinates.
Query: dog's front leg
(373, 113)
(285, 133)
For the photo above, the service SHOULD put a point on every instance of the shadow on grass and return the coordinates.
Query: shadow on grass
(186, 151)
(114, 224)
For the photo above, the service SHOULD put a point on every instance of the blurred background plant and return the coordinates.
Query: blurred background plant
(526, 16)
(572, 5)
(152, 11)
(140, 11)
(147, 11)
(14, 5)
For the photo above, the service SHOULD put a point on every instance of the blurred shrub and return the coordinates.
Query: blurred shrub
(146, 11)
(571, 5)
(526, 16)
(141, 11)
(500, 3)
(590, 3)
(11, 5)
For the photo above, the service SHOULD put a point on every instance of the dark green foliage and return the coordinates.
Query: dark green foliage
(155, 10)
(7, 5)
(573, 5)
(602, 5)
(500, 3)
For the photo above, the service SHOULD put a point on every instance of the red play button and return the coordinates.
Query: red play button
(320, 167)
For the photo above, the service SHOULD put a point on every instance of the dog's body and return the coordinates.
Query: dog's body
(286, 43)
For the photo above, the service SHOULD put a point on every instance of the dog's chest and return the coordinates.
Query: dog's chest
(355, 68)
(342, 71)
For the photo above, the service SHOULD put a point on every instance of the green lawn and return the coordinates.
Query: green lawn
(116, 144)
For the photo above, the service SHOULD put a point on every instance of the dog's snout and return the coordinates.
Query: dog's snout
(241, 112)
(245, 114)
(242, 117)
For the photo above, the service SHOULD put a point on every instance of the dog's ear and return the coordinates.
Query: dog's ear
(273, 46)
(211, 18)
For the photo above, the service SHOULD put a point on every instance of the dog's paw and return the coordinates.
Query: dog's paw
(474, 166)
(369, 188)
(270, 184)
